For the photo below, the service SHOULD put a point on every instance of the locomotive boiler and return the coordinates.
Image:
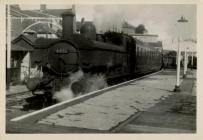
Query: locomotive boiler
(113, 54)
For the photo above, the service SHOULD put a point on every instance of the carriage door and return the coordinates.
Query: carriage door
(131, 52)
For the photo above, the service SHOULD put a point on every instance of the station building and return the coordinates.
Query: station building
(26, 27)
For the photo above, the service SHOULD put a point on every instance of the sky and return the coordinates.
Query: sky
(158, 19)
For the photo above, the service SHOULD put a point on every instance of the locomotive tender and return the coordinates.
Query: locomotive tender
(112, 54)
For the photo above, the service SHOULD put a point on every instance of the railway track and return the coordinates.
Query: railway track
(17, 94)
(17, 99)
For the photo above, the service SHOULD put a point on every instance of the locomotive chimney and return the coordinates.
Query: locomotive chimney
(68, 19)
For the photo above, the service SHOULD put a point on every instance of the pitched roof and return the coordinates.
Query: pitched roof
(46, 13)
(17, 12)
(27, 38)
(56, 12)
(22, 43)
(30, 42)
(34, 13)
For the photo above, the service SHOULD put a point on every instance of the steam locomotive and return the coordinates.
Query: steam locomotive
(116, 55)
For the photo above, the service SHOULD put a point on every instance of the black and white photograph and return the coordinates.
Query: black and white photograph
(101, 68)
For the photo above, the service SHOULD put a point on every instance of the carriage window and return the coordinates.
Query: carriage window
(150, 54)
(144, 52)
(147, 54)
(137, 49)
(140, 52)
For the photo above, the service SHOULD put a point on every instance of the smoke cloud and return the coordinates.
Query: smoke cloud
(158, 19)
(108, 17)
(92, 82)
(111, 17)
(79, 84)
(66, 92)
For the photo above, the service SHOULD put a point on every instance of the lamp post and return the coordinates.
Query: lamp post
(185, 63)
(177, 86)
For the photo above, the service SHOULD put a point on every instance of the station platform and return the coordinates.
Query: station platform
(175, 114)
(148, 105)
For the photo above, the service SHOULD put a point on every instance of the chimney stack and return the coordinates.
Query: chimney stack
(68, 19)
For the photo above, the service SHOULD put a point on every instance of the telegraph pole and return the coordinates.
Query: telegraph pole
(177, 86)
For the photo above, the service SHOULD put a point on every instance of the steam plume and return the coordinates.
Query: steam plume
(80, 83)
(108, 18)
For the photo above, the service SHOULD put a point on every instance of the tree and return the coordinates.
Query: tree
(140, 29)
